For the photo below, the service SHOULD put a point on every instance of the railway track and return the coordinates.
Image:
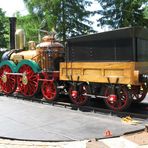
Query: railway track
(136, 111)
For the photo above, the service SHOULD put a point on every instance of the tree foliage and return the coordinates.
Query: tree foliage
(4, 35)
(119, 13)
(66, 17)
(146, 12)
(30, 24)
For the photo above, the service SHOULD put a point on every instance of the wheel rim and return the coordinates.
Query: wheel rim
(28, 82)
(78, 97)
(122, 98)
(7, 82)
(49, 91)
(138, 93)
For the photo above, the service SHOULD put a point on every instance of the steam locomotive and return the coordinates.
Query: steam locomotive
(111, 65)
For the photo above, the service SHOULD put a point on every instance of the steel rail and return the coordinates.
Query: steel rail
(84, 108)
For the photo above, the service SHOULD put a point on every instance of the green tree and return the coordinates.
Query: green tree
(146, 12)
(67, 17)
(119, 13)
(4, 30)
(30, 24)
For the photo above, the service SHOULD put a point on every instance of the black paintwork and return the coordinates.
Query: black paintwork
(126, 44)
(12, 32)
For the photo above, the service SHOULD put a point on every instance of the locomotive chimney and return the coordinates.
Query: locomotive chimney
(12, 21)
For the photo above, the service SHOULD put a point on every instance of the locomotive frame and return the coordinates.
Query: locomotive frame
(111, 65)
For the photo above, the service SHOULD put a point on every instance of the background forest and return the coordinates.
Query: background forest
(69, 18)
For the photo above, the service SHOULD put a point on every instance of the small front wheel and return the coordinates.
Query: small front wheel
(49, 91)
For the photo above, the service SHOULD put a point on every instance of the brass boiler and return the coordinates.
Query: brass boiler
(49, 51)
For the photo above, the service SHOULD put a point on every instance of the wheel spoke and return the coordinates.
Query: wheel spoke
(121, 100)
(138, 93)
(49, 91)
(28, 83)
(77, 96)
(7, 82)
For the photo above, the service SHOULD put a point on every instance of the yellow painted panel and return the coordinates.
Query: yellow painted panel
(74, 71)
(99, 72)
(92, 72)
(114, 72)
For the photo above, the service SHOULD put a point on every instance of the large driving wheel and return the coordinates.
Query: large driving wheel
(28, 82)
(49, 91)
(79, 96)
(7, 81)
(138, 93)
(118, 100)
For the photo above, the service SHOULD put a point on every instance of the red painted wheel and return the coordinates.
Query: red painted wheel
(28, 82)
(118, 101)
(138, 93)
(7, 82)
(78, 96)
(49, 91)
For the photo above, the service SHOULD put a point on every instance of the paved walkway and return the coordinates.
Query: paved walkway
(22, 119)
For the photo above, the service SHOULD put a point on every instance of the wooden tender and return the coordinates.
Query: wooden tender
(112, 65)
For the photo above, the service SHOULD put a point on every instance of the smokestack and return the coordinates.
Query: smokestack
(12, 21)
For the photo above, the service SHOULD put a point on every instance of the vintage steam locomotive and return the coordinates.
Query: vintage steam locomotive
(110, 65)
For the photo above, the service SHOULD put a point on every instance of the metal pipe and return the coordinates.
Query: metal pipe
(16, 74)
(94, 96)
(46, 80)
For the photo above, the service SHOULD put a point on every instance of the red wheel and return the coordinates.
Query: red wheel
(138, 93)
(7, 82)
(118, 101)
(78, 96)
(28, 82)
(49, 91)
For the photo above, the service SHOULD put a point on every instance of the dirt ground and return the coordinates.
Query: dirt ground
(141, 138)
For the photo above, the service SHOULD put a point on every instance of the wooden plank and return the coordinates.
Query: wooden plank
(99, 72)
